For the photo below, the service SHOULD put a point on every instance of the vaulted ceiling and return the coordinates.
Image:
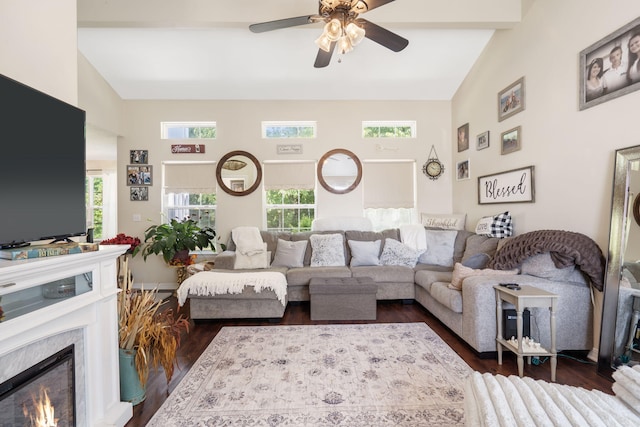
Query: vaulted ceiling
(203, 49)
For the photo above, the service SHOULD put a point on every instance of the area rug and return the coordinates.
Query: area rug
(400, 374)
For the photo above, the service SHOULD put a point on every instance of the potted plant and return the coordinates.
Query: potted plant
(175, 239)
(148, 336)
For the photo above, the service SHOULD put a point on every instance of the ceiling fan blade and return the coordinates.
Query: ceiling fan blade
(282, 23)
(323, 58)
(382, 36)
(367, 5)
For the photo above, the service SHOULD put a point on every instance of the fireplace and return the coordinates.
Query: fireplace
(42, 395)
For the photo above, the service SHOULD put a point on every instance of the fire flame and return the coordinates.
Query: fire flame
(44, 416)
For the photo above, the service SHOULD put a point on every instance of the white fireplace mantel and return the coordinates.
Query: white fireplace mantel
(91, 317)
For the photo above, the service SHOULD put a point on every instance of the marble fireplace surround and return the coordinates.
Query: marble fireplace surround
(89, 321)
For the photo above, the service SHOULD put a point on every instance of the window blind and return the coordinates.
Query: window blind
(289, 175)
(190, 177)
(388, 184)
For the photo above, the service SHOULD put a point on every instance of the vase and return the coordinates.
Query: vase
(130, 388)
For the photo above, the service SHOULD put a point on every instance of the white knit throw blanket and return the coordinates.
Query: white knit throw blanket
(208, 283)
(496, 400)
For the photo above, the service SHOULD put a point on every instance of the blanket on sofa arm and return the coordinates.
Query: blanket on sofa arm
(565, 247)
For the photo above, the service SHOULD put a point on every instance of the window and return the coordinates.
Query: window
(290, 210)
(392, 129)
(189, 191)
(389, 192)
(292, 129)
(188, 130)
(94, 202)
(290, 195)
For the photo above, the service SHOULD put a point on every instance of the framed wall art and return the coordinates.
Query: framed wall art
(139, 175)
(462, 170)
(139, 156)
(513, 186)
(139, 194)
(511, 140)
(482, 141)
(609, 68)
(511, 100)
(463, 137)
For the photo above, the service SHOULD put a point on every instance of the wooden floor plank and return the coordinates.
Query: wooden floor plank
(571, 371)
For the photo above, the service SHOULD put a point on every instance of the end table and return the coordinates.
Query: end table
(526, 297)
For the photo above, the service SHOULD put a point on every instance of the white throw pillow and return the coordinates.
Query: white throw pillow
(289, 254)
(327, 250)
(364, 253)
(439, 248)
(397, 253)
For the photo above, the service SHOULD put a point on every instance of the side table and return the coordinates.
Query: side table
(526, 297)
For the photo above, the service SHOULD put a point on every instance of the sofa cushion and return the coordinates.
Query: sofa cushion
(386, 273)
(426, 278)
(301, 276)
(397, 253)
(477, 261)
(542, 265)
(460, 272)
(364, 253)
(327, 250)
(460, 244)
(371, 236)
(305, 235)
(440, 246)
(450, 298)
(289, 254)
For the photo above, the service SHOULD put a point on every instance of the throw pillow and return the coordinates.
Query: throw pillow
(477, 244)
(364, 253)
(289, 254)
(460, 272)
(397, 253)
(499, 226)
(477, 261)
(439, 248)
(327, 250)
(444, 222)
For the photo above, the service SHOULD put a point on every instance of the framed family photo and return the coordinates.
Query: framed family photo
(610, 68)
(462, 170)
(139, 194)
(482, 141)
(511, 140)
(139, 156)
(511, 100)
(139, 175)
(463, 137)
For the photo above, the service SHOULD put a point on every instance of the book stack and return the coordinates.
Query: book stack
(53, 249)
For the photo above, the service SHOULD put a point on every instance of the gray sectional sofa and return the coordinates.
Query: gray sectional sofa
(469, 310)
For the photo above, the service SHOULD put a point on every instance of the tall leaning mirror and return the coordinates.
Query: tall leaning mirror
(619, 340)
(339, 171)
(238, 173)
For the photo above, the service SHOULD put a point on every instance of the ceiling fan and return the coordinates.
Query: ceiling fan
(342, 27)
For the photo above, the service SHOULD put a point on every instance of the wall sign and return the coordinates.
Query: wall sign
(187, 149)
(514, 186)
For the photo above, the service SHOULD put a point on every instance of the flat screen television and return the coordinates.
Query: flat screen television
(42, 166)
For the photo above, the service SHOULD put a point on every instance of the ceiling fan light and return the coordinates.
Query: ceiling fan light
(323, 42)
(333, 30)
(355, 33)
(345, 45)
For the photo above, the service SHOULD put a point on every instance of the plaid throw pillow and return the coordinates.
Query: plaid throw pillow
(499, 226)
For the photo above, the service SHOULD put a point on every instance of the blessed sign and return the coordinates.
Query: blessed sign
(514, 186)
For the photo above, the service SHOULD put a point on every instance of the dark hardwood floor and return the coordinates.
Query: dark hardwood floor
(573, 370)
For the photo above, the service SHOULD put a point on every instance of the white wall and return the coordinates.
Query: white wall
(339, 126)
(572, 150)
(39, 45)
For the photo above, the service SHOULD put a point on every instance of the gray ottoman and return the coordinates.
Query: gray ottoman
(343, 298)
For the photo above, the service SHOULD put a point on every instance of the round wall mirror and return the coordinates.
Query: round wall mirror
(238, 173)
(339, 171)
